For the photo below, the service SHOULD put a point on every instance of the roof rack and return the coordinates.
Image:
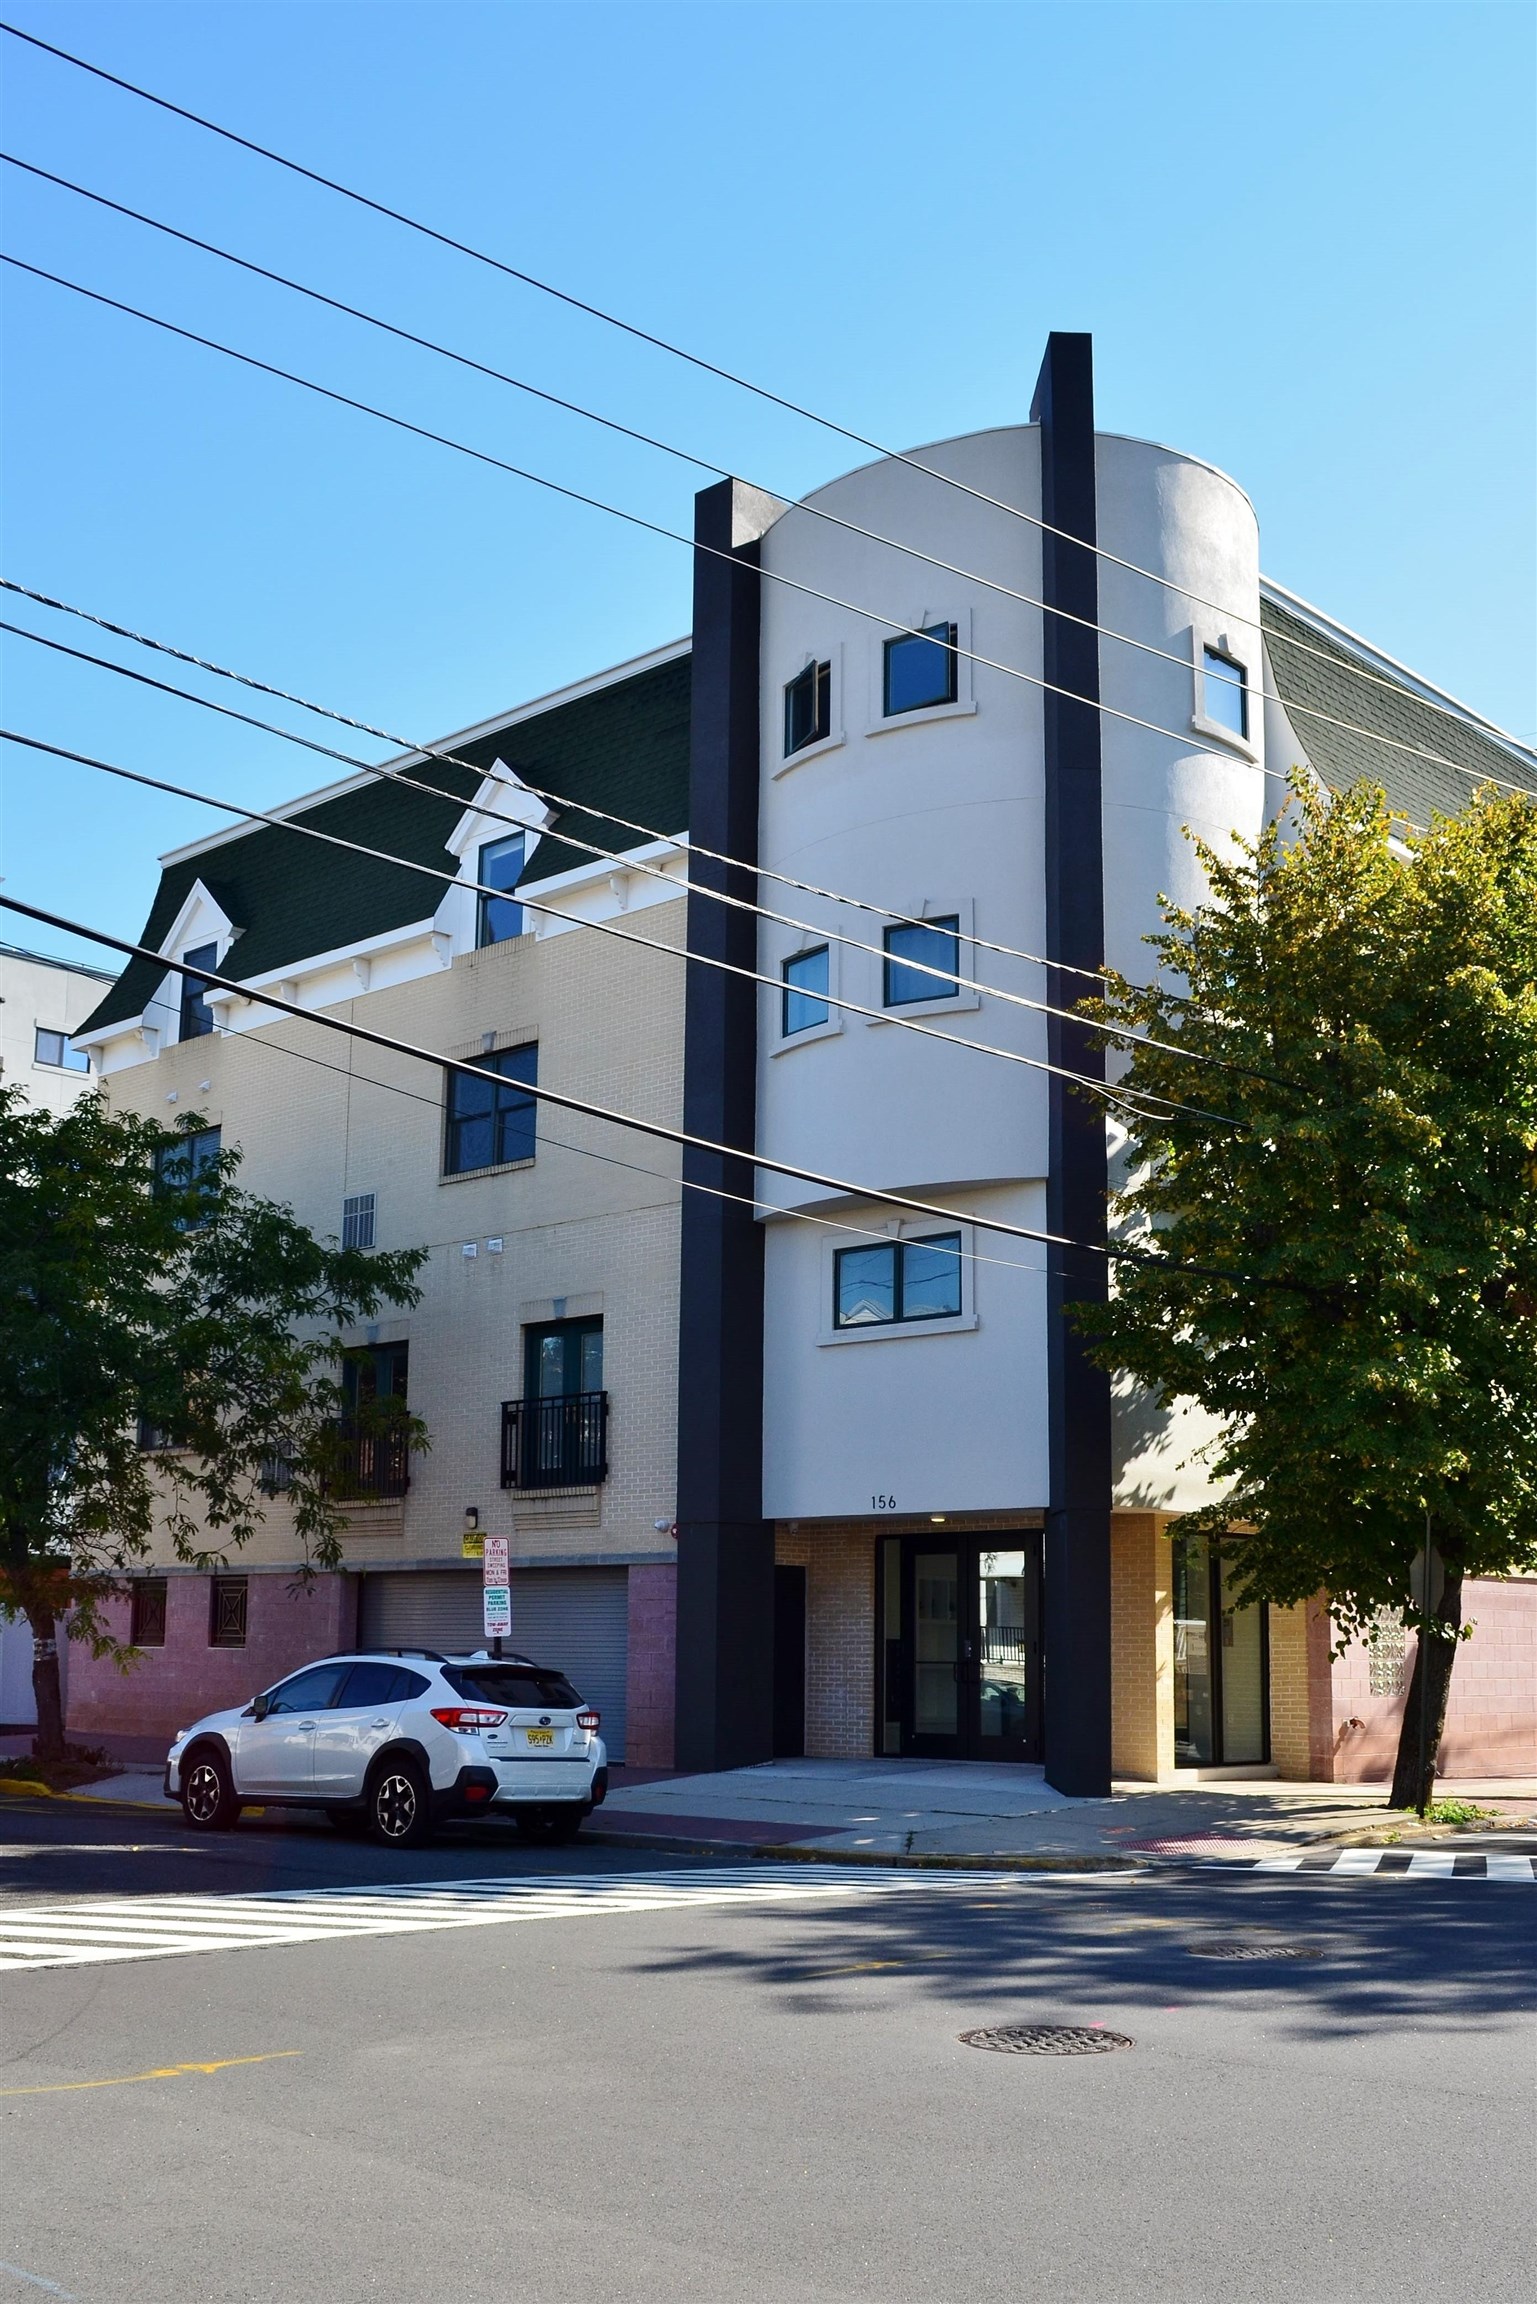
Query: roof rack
(358, 1648)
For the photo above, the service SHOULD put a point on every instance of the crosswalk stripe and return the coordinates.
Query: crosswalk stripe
(1388, 1864)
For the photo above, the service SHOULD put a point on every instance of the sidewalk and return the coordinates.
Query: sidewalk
(936, 1808)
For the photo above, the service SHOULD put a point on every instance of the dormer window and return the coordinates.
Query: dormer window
(808, 707)
(196, 1016)
(1225, 687)
(500, 870)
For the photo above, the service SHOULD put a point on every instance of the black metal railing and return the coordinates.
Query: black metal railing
(556, 1443)
(369, 1465)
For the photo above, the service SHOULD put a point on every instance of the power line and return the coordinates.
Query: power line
(611, 1160)
(641, 335)
(1124, 1099)
(657, 1129)
(677, 536)
(1255, 684)
(384, 774)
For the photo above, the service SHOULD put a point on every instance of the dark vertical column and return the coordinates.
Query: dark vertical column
(725, 1683)
(1077, 1628)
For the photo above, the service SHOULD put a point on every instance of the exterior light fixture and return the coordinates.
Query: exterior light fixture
(471, 1518)
(938, 1519)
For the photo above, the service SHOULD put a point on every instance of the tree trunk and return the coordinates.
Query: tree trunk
(48, 1743)
(1424, 1720)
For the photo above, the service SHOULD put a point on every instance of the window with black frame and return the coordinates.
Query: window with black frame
(491, 1123)
(227, 1599)
(196, 1015)
(190, 1164)
(808, 707)
(803, 1003)
(374, 1455)
(146, 1627)
(1225, 691)
(915, 949)
(897, 1282)
(920, 670)
(500, 915)
(556, 1435)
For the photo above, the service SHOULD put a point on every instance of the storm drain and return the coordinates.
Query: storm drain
(1254, 1951)
(1046, 2039)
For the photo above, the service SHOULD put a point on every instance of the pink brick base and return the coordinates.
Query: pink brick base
(178, 1683)
(1491, 1718)
(652, 1667)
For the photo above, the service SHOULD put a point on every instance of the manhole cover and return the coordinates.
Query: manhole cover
(1046, 2039)
(1254, 1951)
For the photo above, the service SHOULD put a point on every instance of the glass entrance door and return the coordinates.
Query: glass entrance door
(961, 1647)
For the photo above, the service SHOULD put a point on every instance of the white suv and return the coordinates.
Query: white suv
(397, 1740)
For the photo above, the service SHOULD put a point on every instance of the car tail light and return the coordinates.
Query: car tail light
(589, 1722)
(468, 1719)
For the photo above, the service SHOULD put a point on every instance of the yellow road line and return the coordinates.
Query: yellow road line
(161, 2072)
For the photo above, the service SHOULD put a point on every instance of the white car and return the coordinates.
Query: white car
(398, 1740)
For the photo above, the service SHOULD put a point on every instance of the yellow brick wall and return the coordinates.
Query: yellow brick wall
(840, 1638)
(609, 1022)
(1141, 1648)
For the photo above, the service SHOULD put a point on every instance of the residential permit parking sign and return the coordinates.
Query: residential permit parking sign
(496, 1589)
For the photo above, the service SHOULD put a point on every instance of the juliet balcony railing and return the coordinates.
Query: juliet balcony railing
(560, 1442)
(371, 1466)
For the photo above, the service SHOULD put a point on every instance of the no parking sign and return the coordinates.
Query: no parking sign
(496, 1589)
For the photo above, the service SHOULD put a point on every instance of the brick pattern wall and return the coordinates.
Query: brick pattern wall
(840, 1637)
(653, 1594)
(1491, 1719)
(1141, 1648)
(175, 1685)
(1290, 1746)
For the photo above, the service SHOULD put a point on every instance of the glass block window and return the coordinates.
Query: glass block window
(934, 944)
(920, 669)
(147, 1618)
(501, 868)
(489, 1122)
(808, 707)
(54, 1048)
(196, 1015)
(1225, 691)
(358, 1220)
(804, 999)
(897, 1281)
(1386, 1654)
(227, 1612)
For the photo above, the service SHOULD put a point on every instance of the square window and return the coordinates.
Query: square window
(501, 868)
(358, 1220)
(804, 999)
(887, 1286)
(930, 943)
(491, 1123)
(1225, 692)
(147, 1619)
(196, 1015)
(227, 1612)
(808, 707)
(921, 669)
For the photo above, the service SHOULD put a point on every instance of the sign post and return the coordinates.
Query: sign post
(496, 1592)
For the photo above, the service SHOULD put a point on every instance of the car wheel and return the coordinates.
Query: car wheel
(207, 1795)
(399, 1811)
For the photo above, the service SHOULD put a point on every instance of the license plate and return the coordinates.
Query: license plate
(540, 1736)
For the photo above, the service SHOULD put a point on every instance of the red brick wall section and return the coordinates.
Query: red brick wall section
(652, 1672)
(1491, 1719)
(840, 1638)
(175, 1685)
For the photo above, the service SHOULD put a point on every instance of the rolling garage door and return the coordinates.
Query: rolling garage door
(574, 1618)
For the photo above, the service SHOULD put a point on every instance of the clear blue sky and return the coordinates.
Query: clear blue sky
(1303, 239)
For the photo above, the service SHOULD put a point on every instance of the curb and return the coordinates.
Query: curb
(791, 1854)
(10, 1791)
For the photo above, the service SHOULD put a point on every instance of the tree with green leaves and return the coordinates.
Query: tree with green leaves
(1345, 1276)
(171, 1350)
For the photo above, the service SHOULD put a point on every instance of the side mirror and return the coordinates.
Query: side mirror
(256, 1709)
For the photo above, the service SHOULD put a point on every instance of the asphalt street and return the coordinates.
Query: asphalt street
(652, 2081)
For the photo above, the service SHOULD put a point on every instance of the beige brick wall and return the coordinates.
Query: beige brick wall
(840, 1637)
(609, 1022)
(1141, 1648)
(1301, 1726)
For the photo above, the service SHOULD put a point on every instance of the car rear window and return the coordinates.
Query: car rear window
(514, 1686)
